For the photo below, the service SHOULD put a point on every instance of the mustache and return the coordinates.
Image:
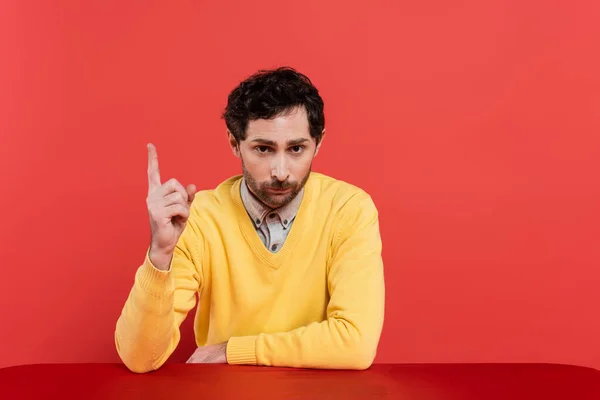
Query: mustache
(278, 185)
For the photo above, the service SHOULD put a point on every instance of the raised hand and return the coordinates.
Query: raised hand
(168, 209)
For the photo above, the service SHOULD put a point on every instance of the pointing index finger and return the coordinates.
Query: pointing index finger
(153, 171)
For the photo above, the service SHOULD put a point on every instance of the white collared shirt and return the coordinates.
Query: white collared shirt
(271, 225)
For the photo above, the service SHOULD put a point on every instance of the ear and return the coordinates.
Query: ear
(320, 143)
(235, 147)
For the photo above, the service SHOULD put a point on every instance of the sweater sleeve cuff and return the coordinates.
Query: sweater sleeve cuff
(153, 280)
(242, 350)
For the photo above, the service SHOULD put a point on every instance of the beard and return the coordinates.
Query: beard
(261, 189)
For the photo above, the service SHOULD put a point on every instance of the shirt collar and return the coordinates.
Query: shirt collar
(258, 211)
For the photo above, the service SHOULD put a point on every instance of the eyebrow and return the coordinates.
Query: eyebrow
(294, 142)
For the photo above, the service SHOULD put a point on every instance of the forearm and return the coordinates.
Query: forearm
(146, 334)
(335, 344)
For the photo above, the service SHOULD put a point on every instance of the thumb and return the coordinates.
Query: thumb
(191, 192)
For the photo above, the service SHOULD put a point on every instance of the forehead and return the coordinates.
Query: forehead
(292, 124)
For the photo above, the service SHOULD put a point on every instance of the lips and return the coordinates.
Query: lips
(279, 191)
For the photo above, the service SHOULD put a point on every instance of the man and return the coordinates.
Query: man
(285, 263)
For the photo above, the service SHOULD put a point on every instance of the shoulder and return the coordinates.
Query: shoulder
(218, 195)
(343, 198)
(214, 203)
(349, 208)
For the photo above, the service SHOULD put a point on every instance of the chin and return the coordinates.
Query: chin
(276, 203)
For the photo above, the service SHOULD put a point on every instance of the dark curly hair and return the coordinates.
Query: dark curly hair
(269, 93)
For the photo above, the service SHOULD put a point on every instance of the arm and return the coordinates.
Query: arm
(147, 332)
(349, 337)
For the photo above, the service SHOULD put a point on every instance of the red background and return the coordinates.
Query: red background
(473, 124)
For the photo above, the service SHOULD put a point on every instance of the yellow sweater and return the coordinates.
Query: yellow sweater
(317, 303)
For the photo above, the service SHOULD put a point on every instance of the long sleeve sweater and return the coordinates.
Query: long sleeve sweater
(316, 303)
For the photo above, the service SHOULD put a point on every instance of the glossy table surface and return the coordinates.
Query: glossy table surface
(381, 381)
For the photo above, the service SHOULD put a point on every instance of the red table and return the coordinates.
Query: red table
(382, 381)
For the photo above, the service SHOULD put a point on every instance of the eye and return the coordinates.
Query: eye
(297, 149)
(262, 149)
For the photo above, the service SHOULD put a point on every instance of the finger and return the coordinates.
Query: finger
(191, 191)
(153, 171)
(175, 198)
(172, 185)
(177, 210)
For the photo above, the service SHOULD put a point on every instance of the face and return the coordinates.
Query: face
(277, 156)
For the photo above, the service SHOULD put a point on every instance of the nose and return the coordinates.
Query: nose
(279, 169)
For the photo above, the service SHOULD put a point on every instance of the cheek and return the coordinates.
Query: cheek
(257, 167)
(301, 166)
(307, 159)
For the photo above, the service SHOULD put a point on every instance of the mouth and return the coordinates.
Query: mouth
(279, 191)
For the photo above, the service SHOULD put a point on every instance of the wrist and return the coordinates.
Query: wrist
(160, 260)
